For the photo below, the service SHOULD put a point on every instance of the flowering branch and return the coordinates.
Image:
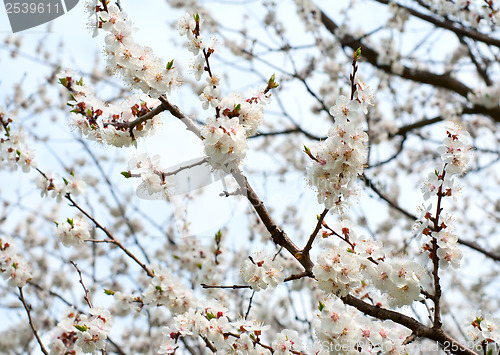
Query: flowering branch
(435, 259)
(421, 330)
(444, 81)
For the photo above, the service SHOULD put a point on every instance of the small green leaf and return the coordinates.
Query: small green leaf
(109, 292)
(127, 174)
(170, 65)
(70, 221)
(82, 328)
(321, 306)
(272, 84)
(357, 54)
(65, 181)
(158, 288)
(218, 236)
(210, 315)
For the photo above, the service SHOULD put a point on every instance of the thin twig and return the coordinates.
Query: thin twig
(110, 236)
(249, 305)
(313, 235)
(234, 287)
(30, 320)
(87, 298)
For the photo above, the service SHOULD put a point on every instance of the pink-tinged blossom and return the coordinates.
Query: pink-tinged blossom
(93, 331)
(72, 232)
(210, 97)
(456, 150)
(165, 290)
(483, 330)
(488, 97)
(14, 152)
(103, 122)
(286, 342)
(135, 63)
(186, 25)
(12, 266)
(449, 256)
(261, 272)
(198, 66)
(337, 161)
(345, 109)
(225, 143)
(431, 185)
(364, 96)
(347, 332)
(338, 271)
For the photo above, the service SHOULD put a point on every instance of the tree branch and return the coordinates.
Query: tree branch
(444, 81)
(420, 330)
(30, 320)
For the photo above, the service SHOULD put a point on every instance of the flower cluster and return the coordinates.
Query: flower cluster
(456, 155)
(484, 331)
(338, 270)
(488, 97)
(164, 289)
(309, 14)
(72, 233)
(189, 26)
(339, 159)
(73, 185)
(359, 261)
(77, 333)
(343, 330)
(212, 322)
(261, 271)
(399, 280)
(12, 266)
(154, 181)
(286, 342)
(447, 241)
(456, 150)
(93, 330)
(124, 303)
(470, 13)
(225, 142)
(13, 148)
(114, 124)
(137, 64)
(236, 117)
(64, 336)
